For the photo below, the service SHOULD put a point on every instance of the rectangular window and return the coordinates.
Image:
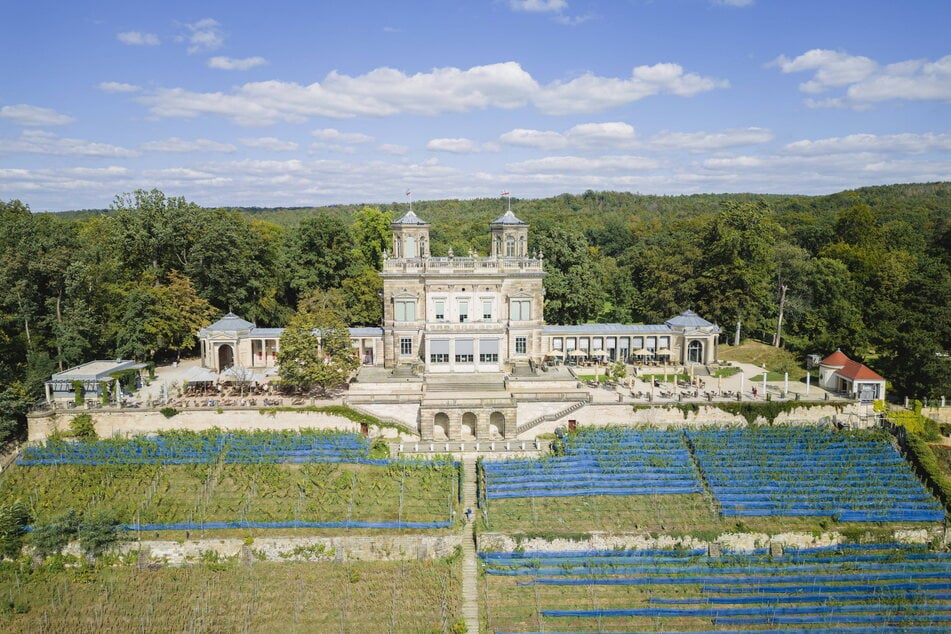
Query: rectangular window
(464, 350)
(521, 310)
(406, 347)
(463, 312)
(439, 351)
(489, 350)
(520, 345)
(440, 311)
(405, 310)
(486, 311)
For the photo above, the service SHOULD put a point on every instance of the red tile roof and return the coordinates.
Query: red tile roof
(837, 358)
(858, 372)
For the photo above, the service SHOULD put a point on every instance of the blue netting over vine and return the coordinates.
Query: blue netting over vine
(810, 471)
(881, 585)
(611, 461)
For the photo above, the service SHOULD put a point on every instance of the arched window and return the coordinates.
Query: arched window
(521, 247)
(510, 247)
(695, 352)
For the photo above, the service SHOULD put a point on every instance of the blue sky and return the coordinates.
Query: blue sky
(309, 103)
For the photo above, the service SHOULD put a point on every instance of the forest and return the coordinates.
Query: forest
(867, 271)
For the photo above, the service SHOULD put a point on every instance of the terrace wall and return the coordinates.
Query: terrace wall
(661, 416)
(132, 422)
(340, 548)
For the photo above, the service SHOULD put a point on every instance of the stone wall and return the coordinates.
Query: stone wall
(661, 416)
(340, 548)
(132, 422)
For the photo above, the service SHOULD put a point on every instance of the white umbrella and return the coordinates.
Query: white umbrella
(556, 353)
(598, 353)
(577, 352)
(643, 352)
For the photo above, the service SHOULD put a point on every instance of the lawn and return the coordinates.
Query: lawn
(777, 360)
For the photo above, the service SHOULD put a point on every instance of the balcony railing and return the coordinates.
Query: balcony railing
(462, 265)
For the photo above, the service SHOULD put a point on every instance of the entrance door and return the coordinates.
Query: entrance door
(225, 357)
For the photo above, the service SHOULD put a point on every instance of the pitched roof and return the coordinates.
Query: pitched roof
(688, 319)
(859, 372)
(508, 218)
(836, 359)
(410, 218)
(230, 323)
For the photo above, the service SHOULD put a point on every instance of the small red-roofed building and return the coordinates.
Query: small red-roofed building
(839, 373)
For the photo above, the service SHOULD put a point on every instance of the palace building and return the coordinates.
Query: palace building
(471, 314)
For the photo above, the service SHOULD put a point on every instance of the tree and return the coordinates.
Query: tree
(363, 299)
(573, 291)
(735, 271)
(322, 252)
(372, 234)
(305, 364)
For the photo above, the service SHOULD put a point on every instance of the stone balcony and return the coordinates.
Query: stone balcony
(465, 265)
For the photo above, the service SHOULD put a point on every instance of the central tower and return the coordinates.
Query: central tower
(462, 314)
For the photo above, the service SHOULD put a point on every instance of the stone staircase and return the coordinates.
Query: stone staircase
(465, 383)
(555, 416)
(470, 562)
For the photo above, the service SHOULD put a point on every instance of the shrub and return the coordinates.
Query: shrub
(14, 518)
(98, 532)
(168, 412)
(50, 538)
(83, 427)
(379, 449)
(79, 393)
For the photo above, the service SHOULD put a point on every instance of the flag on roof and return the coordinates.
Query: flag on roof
(408, 192)
(505, 193)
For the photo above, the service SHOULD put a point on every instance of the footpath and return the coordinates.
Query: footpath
(470, 563)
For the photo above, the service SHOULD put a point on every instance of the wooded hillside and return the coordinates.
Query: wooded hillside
(867, 271)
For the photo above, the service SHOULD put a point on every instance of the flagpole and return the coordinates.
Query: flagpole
(409, 195)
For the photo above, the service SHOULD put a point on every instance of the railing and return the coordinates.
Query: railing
(386, 420)
(389, 399)
(461, 265)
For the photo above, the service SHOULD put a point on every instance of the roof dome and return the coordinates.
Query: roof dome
(508, 218)
(410, 218)
(231, 323)
(688, 319)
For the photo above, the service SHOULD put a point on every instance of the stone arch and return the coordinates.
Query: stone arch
(225, 357)
(469, 424)
(441, 426)
(496, 424)
(695, 352)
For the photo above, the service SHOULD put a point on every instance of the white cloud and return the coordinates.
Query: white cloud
(174, 144)
(618, 135)
(116, 86)
(42, 142)
(231, 63)
(386, 91)
(541, 139)
(582, 164)
(137, 38)
(334, 135)
(271, 144)
(707, 141)
(538, 6)
(865, 81)
(895, 143)
(590, 93)
(459, 146)
(24, 114)
(393, 149)
(203, 36)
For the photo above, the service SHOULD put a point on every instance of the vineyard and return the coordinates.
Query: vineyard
(226, 596)
(213, 480)
(706, 481)
(875, 586)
